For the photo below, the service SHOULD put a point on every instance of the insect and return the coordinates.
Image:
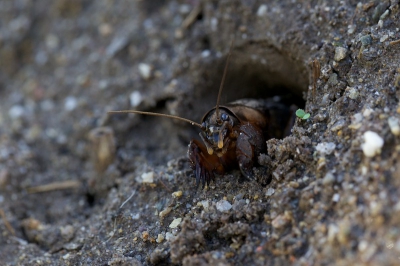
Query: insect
(233, 135)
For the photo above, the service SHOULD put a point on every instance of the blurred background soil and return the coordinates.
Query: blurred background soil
(81, 187)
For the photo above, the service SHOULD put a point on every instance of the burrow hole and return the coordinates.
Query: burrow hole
(255, 71)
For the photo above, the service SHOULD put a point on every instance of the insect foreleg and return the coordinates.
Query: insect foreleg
(249, 144)
(203, 164)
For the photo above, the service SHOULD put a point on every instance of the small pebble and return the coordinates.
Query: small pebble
(135, 98)
(325, 98)
(145, 70)
(177, 194)
(67, 232)
(366, 40)
(105, 29)
(223, 206)
(328, 179)
(280, 221)
(294, 184)
(326, 147)
(321, 163)
(239, 196)
(332, 232)
(72, 246)
(205, 53)
(16, 111)
(169, 236)
(70, 103)
(336, 197)
(160, 238)
(394, 125)
(145, 235)
(165, 212)
(270, 192)
(375, 208)
(353, 93)
(367, 112)
(338, 125)
(276, 175)
(47, 105)
(351, 29)
(52, 41)
(175, 223)
(362, 246)
(103, 84)
(372, 144)
(384, 38)
(380, 23)
(214, 24)
(333, 79)
(116, 45)
(83, 80)
(184, 9)
(369, 252)
(340, 53)
(147, 177)
(356, 118)
(384, 15)
(102, 147)
(135, 216)
(262, 10)
(345, 227)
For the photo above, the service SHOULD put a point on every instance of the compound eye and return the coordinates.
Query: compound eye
(224, 117)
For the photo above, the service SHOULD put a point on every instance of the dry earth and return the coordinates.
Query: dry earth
(80, 187)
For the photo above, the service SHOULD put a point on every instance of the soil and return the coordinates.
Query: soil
(81, 187)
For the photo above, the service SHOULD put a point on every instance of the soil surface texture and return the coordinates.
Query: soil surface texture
(79, 186)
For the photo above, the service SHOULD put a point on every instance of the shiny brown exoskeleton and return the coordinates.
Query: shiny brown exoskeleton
(233, 135)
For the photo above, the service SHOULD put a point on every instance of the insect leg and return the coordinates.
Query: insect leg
(203, 164)
(249, 144)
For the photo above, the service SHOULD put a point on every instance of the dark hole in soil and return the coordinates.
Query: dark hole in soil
(90, 199)
(257, 72)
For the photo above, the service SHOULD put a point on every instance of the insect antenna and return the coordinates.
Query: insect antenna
(222, 81)
(156, 114)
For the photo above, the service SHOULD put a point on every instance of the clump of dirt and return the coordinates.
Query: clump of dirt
(79, 186)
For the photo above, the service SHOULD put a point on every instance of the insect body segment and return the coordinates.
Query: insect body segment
(232, 138)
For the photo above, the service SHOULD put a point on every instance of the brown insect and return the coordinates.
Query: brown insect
(233, 135)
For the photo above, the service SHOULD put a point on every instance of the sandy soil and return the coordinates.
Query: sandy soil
(81, 187)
